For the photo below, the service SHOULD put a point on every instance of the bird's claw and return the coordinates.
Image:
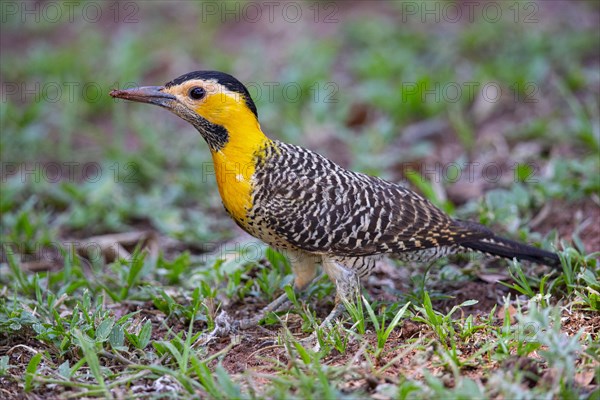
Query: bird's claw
(223, 327)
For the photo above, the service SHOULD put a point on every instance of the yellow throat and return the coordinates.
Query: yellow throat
(235, 162)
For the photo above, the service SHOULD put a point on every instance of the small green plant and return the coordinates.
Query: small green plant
(140, 339)
(89, 349)
(525, 284)
(31, 371)
(4, 365)
(357, 314)
(383, 332)
(442, 324)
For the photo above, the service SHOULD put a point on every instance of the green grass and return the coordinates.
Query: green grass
(117, 258)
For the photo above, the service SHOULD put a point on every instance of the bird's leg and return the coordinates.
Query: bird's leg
(304, 267)
(347, 284)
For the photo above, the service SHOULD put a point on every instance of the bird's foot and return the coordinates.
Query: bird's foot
(276, 305)
(323, 331)
(223, 328)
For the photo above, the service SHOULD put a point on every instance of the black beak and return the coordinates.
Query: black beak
(146, 94)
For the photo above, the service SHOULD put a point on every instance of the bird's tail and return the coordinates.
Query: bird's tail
(502, 247)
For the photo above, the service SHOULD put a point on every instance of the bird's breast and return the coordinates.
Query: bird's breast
(234, 180)
(235, 167)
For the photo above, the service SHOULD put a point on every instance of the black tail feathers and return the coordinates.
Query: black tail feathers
(507, 248)
(498, 246)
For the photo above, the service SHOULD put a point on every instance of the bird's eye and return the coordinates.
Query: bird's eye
(197, 93)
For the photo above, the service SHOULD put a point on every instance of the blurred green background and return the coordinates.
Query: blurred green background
(386, 88)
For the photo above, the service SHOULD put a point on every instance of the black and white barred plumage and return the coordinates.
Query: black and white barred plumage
(301, 200)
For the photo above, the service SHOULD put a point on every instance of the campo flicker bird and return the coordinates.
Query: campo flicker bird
(305, 205)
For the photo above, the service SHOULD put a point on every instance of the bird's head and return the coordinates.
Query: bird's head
(215, 103)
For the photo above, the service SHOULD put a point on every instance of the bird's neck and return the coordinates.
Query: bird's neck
(235, 163)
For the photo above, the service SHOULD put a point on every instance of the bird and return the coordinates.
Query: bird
(310, 208)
